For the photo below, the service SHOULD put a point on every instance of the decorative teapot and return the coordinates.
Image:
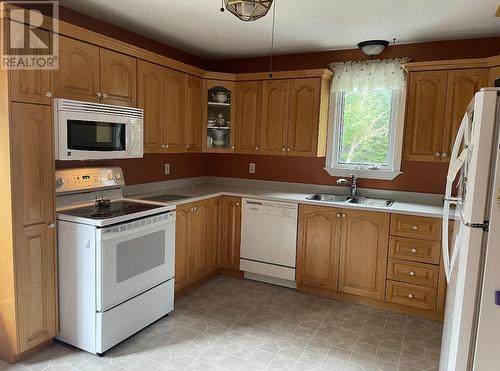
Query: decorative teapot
(219, 121)
(220, 97)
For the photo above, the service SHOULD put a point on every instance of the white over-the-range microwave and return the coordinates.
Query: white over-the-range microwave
(94, 131)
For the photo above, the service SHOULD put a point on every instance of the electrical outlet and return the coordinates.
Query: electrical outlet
(167, 169)
(251, 168)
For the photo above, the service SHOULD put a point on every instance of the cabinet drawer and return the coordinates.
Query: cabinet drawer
(410, 272)
(414, 250)
(412, 295)
(416, 227)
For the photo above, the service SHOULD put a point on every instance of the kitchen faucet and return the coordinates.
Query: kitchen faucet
(352, 185)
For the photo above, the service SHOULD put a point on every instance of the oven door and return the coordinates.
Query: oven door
(133, 257)
(87, 136)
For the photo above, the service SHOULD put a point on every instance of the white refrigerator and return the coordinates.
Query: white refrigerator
(472, 256)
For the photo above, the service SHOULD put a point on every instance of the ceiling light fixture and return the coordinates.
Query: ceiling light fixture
(373, 47)
(248, 10)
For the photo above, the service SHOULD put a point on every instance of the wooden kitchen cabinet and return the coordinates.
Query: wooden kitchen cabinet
(174, 109)
(150, 99)
(78, 74)
(231, 232)
(118, 77)
(318, 247)
(248, 112)
(193, 114)
(182, 240)
(274, 119)
(214, 206)
(28, 257)
(462, 85)
(425, 115)
(363, 253)
(198, 235)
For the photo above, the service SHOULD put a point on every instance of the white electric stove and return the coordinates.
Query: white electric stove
(116, 259)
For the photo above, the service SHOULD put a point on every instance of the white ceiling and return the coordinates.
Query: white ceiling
(198, 27)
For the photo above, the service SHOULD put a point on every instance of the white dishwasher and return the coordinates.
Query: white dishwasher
(269, 241)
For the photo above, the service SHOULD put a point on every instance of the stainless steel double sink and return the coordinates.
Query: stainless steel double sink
(365, 201)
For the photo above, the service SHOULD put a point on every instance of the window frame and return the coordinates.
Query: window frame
(389, 172)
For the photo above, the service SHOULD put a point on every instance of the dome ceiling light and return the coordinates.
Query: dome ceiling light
(373, 47)
(248, 10)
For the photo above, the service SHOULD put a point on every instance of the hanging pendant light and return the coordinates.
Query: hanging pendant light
(248, 10)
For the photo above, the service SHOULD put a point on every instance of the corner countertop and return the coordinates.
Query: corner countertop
(203, 191)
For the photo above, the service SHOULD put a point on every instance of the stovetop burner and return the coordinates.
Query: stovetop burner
(116, 208)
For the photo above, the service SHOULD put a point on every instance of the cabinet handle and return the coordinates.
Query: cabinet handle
(256, 148)
(104, 95)
(415, 227)
(344, 215)
(410, 296)
(98, 94)
(413, 251)
(48, 94)
(188, 146)
(283, 149)
(444, 154)
(288, 149)
(411, 273)
(338, 215)
(237, 204)
(232, 147)
(51, 225)
(437, 154)
(166, 145)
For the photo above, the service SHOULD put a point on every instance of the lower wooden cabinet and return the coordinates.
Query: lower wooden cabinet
(231, 232)
(318, 247)
(411, 295)
(197, 245)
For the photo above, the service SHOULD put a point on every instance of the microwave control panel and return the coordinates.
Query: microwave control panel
(82, 179)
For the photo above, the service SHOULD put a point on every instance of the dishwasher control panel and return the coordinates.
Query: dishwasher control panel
(270, 207)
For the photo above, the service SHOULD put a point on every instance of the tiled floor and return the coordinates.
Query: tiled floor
(230, 324)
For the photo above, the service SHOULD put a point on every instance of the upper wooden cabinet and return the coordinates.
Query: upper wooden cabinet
(78, 74)
(117, 78)
(92, 74)
(318, 247)
(363, 253)
(462, 85)
(174, 102)
(274, 119)
(248, 111)
(150, 99)
(231, 232)
(193, 114)
(437, 100)
(295, 116)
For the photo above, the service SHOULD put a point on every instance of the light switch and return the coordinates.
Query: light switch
(167, 169)
(251, 168)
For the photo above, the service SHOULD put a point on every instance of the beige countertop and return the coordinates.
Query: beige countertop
(203, 191)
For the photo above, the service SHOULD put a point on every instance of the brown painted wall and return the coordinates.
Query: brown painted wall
(151, 167)
(416, 177)
(438, 50)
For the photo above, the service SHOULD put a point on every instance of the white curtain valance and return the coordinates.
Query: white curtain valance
(368, 75)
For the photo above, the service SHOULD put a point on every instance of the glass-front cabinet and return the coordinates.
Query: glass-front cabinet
(219, 116)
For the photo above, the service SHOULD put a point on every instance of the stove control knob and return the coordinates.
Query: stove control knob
(110, 176)
(59, 182)
(118, 176)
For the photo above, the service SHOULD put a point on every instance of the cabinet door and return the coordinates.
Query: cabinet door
(118, 75)
(31, 86)
(425, 116)
(194, 114)
(78, 73)
(213, 244)
(248, 111)
(318, 247)
(198, 237)
(33, 180)
(150, 99)
(494, 76)
(174, 100)
(363, 253)
(462, 85)
(274, 117)
(182, 247)
(231, 232)
(303, 118)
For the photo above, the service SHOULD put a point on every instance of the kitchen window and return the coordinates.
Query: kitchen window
(367, 119)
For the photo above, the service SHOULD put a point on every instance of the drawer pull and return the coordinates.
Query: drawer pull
(338, 215)
(415, 227)
(411, 273)
(413, 251)
(410, 296)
